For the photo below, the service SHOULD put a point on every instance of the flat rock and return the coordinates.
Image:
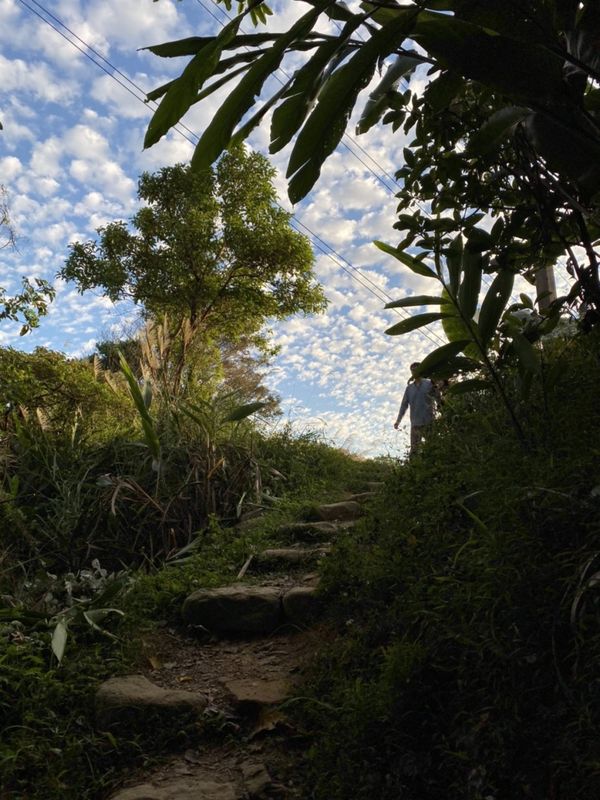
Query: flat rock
(346, 510)
(253, 692)
(123, 697)
(302, 604)
(309, 531)
(291, 556)
(234, 609)
(185, 788)
(256, 778)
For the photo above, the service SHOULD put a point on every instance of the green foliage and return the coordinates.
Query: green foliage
(67, 391)
(31, 303)
(464, 663)
(508, 123)
(210, 257)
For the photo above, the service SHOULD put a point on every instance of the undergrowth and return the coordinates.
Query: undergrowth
(468, 612)
(52, 747)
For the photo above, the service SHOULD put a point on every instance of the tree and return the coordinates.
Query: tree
(31, 303)
(509, 123)
(209, 256)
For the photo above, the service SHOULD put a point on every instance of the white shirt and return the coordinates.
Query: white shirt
(419, 397)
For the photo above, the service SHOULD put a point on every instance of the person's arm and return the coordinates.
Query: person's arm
(403, 407)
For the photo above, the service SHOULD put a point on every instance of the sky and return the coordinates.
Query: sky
(70, 155)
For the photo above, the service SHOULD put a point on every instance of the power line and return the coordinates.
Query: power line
(322, 244)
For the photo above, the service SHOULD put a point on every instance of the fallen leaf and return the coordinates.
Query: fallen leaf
(268, 720)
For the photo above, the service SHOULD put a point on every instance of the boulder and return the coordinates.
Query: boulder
(302, 605)
(135, 699)
(234, 609)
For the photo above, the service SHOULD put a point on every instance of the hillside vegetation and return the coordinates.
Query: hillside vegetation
(467, 606)
(463, 608)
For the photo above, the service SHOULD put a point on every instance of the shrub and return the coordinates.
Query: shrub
(470, 611)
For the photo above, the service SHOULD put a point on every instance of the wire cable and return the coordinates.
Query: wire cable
(321, 245)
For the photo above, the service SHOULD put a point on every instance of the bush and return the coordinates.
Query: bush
(470, 611)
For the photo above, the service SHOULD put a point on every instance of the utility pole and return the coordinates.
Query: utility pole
(545, 286)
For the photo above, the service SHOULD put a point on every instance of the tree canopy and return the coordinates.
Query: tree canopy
(508, 124)
(210, 253)
(212, 246)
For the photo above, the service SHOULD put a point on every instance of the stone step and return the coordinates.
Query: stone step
(363, 497)
(310, 531)
(181, 788)
(343, 511)
(302, 604)
(306, 532)
(252, 609)
(228, 778)
(250, 695)
(235, 609)
(286, 557)
(130, 699)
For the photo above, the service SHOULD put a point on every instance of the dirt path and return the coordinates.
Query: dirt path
(243, 656)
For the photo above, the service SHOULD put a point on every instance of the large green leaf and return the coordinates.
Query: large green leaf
(468, 292)
(470, 385)
(325, 126)
(182, 93)
(218, 133)
(441, 357)
(300, 96)
(569, 151)
(194, 44)
(417, 300)
(412, 323)
(59, 639)
(454, 255)
(498, 127)
(494, 304)
(410, 261)
(377, 104)
(512, 66)
(241, 412)
(150, 434)
(457, 330)
(528, 355)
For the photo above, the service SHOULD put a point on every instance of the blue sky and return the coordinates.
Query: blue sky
(71, 153)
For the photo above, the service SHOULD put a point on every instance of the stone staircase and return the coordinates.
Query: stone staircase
(253, 642)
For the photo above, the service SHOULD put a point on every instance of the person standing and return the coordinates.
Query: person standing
(419, 396)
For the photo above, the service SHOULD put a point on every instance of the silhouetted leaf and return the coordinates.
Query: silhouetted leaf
(417, 300)
(494, 304)
(182, 93)
(412, 323)
(218, 133)
(410, 261)
(441, 357)
(325, 126)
